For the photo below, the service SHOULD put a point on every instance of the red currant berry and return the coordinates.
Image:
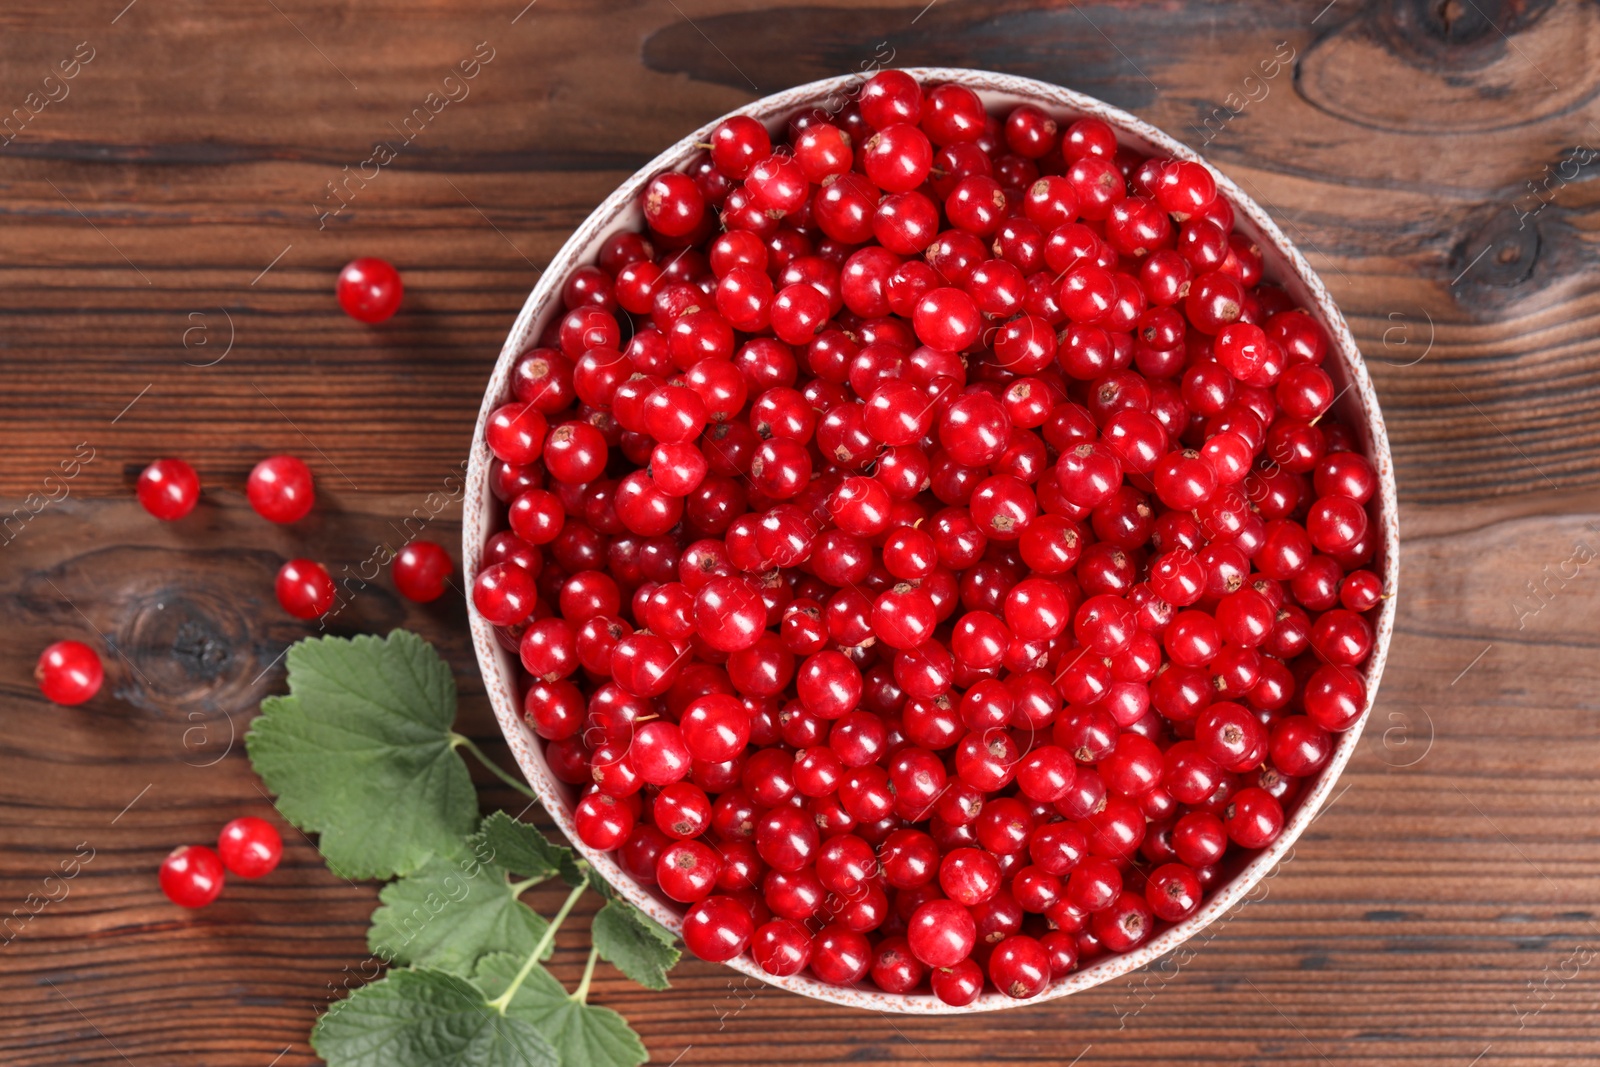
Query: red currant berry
(787, 839)
(894, 968)
(304, 589)
(1361, 590)
(969, 876)
(941, 933)
(250, 847)
(280, 489)
(718, 928)
(839, 955)
(888, 97)
(1254, 818)
(169, 489)
(421, 571)
(781, 947)
(1125, 924)
(191, 876)
(1020, 967)
(369, 290)
(739, 143)
(673, 205)
(687, 871)
(603, 821)
(959, 985)
(68, 673)
(504, 594)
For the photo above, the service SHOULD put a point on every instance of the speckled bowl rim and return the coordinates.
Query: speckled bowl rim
(1284, 265)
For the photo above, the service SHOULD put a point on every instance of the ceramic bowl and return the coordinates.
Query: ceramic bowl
(1357, 405)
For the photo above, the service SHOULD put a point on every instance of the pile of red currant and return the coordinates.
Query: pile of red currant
(929, 546)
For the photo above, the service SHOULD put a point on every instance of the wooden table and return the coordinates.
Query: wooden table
(166, 266)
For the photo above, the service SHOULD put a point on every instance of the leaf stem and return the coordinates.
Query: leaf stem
(581, 994)
(500, 1003)
(519, 888)
(460, 741)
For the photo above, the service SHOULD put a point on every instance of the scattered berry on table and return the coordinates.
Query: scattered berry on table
(280, 489)
(304, 588)
(421, 571)
(169, 489)
(369, 290)
(191, 876)
(250, 847)
(68, 673)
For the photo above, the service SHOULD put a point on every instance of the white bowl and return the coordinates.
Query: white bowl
(1357, 406)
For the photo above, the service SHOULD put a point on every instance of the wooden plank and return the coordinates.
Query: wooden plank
(1433, 916)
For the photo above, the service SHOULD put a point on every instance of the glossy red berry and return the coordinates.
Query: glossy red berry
(839, 955)
(68, 673)
(603, 821)
(280, 489)
(687, 871)
(1254, 818)
(504, 594)
(947, 319)
(1019, 967)
(1127, 923)
(169, 489)
(673, 204)
(737, 144)
(369, 290)
(516, 432)
(304, 589)
(718, 928)
(897, 158)
(889, 97)
(969, 875)
(959, 985)
(941, 933)
(250, 847)
(781, 947)
(894, 969)
(421, 571)
(191, 876)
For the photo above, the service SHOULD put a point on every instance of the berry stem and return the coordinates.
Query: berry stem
(501, 1002)
(459, 741)
(581, 994)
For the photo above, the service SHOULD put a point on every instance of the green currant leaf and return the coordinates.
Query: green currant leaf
(427, 1019)
(451, 913)
(595, 881)
(583, 1035)
(519, 848)
(576, 872)
(361, 752)
(634, 943)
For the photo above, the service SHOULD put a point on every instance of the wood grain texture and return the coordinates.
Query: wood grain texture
(1435, 160)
